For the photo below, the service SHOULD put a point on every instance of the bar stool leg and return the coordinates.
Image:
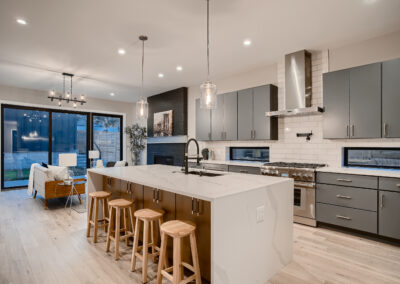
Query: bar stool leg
(131, 218)
(163, 257)
(135, 245)
(96, 217)
(105, 214)
(176, 276)
(195, 257)
(89, 218)
(153, 241)
(110, 228)
(145, 250)
(117, 232)
(166, 262)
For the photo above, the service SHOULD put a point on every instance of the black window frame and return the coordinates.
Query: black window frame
(89, 132)
(247, 147)
(346, 157)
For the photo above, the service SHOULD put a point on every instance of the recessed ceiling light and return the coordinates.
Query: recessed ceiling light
(247, 42)
(21, 21)
(160, 75)
(112, 94)
(121, 51)
(179, 68)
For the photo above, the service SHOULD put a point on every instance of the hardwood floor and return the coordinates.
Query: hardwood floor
(50, 246)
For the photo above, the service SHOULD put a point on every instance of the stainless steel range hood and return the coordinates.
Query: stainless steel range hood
(298, 86)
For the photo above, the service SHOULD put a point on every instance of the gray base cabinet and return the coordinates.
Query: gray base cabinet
(389, 214)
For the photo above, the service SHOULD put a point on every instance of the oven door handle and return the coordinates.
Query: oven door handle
(306, 185)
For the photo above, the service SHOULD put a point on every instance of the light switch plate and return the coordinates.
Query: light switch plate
(260, 213)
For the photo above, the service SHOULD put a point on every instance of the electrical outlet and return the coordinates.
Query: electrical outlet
(260, 214)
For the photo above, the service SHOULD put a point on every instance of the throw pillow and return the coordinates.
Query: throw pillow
(59, 173)
(120, 164)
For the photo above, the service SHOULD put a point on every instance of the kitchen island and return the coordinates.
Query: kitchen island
(244, 222)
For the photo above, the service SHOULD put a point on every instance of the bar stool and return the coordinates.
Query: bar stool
(148, 217)
(95, 198)
(115, 223)
(177, 230)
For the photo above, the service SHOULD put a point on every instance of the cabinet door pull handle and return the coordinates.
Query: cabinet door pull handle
(384, 129)
(343, 196)
(344, 180)
(254, 134)
(381, 201)
(192, 205)
(343, 217)
(154, 195)
(352, 130)
(198, 207)
(158, 196)
(243, 171)
(348, 131)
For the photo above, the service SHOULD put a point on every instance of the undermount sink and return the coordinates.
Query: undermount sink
(201, 173)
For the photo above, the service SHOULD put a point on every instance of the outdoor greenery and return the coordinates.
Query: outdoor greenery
(137, 136)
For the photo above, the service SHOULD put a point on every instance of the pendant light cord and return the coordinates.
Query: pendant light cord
(142, 64)
(208, 40)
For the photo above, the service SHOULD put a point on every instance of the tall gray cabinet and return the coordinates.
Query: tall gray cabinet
(391, 98)
(224, 117)
(352, 101)
(203, 123)
(252, 105)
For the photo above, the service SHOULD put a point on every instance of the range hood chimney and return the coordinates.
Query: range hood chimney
(298, 87)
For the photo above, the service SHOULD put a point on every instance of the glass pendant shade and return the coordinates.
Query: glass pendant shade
(208, 98)
(142, 109)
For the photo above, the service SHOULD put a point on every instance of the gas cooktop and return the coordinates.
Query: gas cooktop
(294, 165)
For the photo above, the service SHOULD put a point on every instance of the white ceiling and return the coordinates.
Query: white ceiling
(83, 36)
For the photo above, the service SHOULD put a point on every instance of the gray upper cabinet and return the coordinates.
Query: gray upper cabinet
(245, 114)
(391, 98)
(336, 101)
(203, 123)
(389, 212)
(365, 101)
(224, 118)
(252, 105)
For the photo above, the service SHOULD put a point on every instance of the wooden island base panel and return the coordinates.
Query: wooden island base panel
(261, 206)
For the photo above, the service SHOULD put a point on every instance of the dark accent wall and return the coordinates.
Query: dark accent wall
(175, 100)
(174, 150)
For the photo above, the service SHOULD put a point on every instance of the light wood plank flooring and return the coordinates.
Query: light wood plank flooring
(50, 246)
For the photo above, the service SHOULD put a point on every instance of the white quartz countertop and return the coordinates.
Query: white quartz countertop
(234, 163)
(171, 179)
(361, 171)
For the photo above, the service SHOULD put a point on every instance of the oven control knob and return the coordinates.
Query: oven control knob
(294, 174)
(276, 172)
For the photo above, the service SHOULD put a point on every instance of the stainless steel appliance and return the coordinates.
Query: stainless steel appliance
(304, 187)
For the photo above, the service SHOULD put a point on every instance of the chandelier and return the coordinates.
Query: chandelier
(67, 95)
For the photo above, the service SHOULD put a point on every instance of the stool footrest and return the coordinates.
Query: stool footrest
(188, 266)
(189, 279)
(167, 275)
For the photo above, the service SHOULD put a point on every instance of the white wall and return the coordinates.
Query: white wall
(289, 147)
(30, 97)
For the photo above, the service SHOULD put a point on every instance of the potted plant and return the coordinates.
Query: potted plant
(137, 136)
(204, 153)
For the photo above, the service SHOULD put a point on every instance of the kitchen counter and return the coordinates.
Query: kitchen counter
(361, 171)
(234, 163)
(249, 217)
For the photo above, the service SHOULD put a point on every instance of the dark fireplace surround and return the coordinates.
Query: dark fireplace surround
(168, 153)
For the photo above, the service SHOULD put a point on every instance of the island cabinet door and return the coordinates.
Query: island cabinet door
(112, 185)
(159, 199)
(199, 212)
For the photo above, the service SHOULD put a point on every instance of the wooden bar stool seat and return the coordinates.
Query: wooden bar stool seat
(95, 198)
(148, 217)
(177, 230)
(117, 206)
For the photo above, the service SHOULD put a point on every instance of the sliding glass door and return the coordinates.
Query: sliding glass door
(69, 133)
(107, 137)
(25, 140)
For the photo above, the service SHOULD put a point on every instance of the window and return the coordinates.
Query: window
(372, 157)
(107, 137)
(25, 141)
(35, 135)
(260, 154)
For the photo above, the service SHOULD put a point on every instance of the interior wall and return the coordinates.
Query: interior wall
(289, 147)
(30, 97)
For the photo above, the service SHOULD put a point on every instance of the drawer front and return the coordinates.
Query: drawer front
(354, 197)
(348, 217)
(348, 180)
(245, 170)
(392, 184)
(216, 167)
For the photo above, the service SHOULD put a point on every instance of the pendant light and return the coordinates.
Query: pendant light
(142, 106)
(208, 90)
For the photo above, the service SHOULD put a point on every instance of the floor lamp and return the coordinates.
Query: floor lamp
(69, 160)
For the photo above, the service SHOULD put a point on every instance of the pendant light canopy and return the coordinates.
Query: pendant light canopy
(208, 90)
(142, 106)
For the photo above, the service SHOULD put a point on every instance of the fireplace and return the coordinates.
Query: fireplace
(163, 160)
